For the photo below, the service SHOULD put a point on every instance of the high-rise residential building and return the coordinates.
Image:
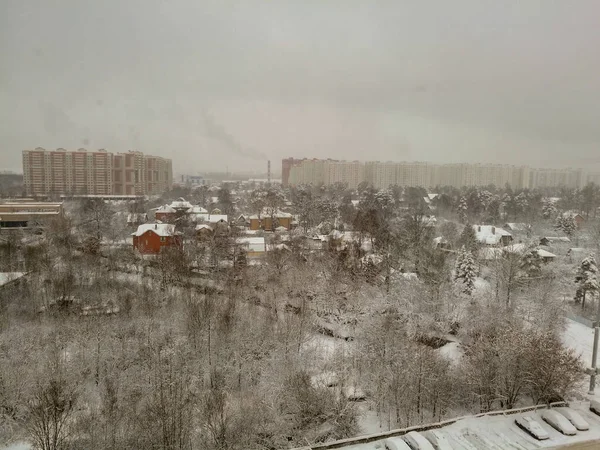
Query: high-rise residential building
(381, 175)
(83, 172)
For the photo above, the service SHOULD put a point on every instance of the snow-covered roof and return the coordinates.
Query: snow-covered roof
(180, 203)
(165, 209)
(571, 214)
(7, 277)
(203, 226)
(440, 240)
(516, 226)
(266, 213)
(197, 209)
(161, 229)
(557, 238)
(489, 234)
(210, 218)
(493, 253)
(254, 244)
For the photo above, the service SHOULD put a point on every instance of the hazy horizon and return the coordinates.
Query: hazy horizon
(216, 84)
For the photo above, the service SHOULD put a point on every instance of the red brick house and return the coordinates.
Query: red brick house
(151, 238)
(165, 214)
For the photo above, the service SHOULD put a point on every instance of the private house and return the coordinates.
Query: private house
(255, 247)
(204, 232)
(578, 218)
(151, 238)
(550, 240)
(492, 253)
(136, 219)
(165, 214)
(269, 221)
(512, 226)
(441, 243)
(491, 235)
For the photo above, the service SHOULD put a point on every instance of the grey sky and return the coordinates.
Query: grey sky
(216, 83)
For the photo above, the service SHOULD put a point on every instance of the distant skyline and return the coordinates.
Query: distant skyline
(216, 84)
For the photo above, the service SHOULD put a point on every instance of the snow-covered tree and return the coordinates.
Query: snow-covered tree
(566, 224)
(548, 208)
(465, 271)
(532, 262)
(468, 238)
(521, 202)
(586, 279)
(462, 210)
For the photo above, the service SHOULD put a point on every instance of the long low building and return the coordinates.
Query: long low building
(28, 214)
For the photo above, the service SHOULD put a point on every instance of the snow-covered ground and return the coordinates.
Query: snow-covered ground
(500, 432)
(17, 446)
(581, 339)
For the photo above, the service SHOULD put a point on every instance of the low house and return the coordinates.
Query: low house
(549, 240)
(441, 243)
(254, 246)
(165, 214)
(492, 236)
(512, 226)
(136, 219)
(204, 231)
(151, 238)
(268, 220)
(28, 214)
(578, 218)
(491, 253)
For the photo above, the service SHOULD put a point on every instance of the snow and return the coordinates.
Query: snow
(161, 229)
(499, 432)
(254, 244)
(18, 446)
(211, 218)
(7, 277)
(452, 351)
(489, 234)
(581, 339)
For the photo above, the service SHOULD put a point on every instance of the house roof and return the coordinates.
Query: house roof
(210, 218)
(197, 209)
(180, 203)
(516, 226)
(166, 209)
(557, 238)
(493, 253)
(203, 226)
(254, 244)
(489, 234)
(161, 229)
(267, 214)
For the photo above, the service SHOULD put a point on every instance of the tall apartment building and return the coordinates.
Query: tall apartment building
(350, 173)
(82, 172)
(381, 175)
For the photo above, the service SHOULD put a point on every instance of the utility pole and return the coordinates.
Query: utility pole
(593, 371)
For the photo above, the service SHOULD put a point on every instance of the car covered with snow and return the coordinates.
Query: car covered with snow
(396, 443)
(575, 418)
(532, 426)
(559, 422)
(438, 439)
(416, 441)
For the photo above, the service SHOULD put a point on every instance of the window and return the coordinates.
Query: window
(163, 239)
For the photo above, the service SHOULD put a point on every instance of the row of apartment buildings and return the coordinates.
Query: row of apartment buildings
(98, 172)
(384, 174)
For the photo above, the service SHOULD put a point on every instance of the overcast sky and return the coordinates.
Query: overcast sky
(220, 83)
